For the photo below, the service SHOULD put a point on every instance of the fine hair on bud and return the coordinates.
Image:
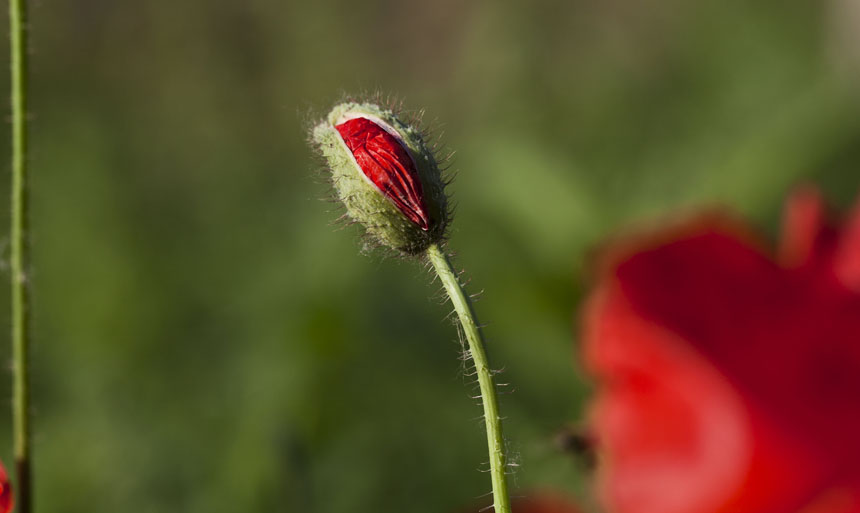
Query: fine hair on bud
(385, 175)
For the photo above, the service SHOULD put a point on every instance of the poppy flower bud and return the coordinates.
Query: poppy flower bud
(385, 175)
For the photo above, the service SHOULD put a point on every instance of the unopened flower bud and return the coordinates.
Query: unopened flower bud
(385, 176)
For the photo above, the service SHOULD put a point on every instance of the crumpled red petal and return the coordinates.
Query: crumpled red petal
(387, 164)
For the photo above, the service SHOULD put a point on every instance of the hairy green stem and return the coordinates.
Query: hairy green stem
(466, 314)
(20, 255)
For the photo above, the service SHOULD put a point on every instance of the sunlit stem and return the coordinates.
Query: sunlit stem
(466, 314)
(20, 256)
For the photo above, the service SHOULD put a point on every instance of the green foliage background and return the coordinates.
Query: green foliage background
(206, 342)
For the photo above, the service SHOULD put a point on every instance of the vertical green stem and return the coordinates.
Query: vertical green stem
(20, 257)
(466, 314)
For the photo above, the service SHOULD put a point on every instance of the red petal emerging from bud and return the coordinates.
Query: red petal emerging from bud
(387, 164)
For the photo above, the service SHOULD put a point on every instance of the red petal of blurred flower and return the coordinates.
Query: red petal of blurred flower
(847, 259)
(803, 235)
(730, 382)
(7, 499)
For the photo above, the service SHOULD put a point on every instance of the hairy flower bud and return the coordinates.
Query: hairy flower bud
(385, 176)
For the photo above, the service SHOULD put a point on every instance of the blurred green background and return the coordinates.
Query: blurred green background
(207, 342)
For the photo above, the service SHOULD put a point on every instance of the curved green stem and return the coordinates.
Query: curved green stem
(20, 255)
(466, 314)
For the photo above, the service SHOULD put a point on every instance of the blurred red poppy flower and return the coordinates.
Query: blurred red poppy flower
(7, 500)
(729, 378)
